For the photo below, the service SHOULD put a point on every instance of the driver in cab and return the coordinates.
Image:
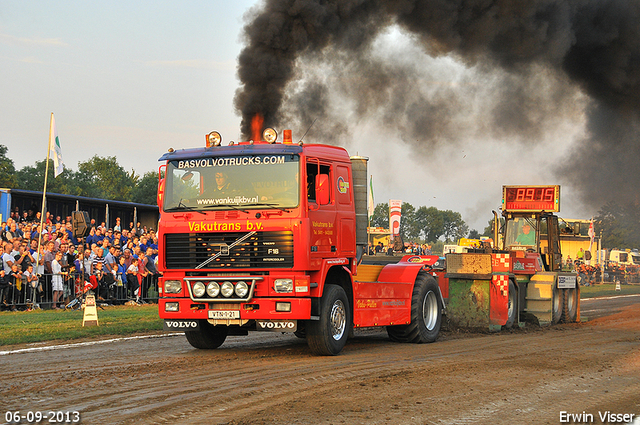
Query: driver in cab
(222, 186)
(527, 237)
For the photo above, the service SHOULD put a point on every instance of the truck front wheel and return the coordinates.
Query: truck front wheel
(208, 336)
(328, 336)
(426, 313)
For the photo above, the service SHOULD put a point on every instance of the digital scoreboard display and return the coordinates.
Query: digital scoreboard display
(531, 198)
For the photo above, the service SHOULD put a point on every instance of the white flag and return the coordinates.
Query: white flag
(592, 234)
(54, 148)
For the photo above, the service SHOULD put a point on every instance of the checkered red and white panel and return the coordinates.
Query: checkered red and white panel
(500, 262)
(502, 282)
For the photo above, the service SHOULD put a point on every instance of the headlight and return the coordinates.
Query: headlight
(198, 289)
(172, 307)
(242, 289)
(213, 289)
(227, 289)
(269, 135)
(213, 139)
(172, 286)
(283, 285)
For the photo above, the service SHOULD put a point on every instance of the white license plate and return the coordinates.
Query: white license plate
(224, 314)
(566, 282)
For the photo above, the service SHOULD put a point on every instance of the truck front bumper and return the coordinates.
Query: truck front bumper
(256, 309)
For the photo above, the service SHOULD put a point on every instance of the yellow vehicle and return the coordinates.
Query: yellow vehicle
(523, 274)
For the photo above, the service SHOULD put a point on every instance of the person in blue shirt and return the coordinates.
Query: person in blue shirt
(144, 244)
(35, 231)
(69, 230)
(99, 237)
(110, 236)
(89, 240)
(119, 236)
(121, 273)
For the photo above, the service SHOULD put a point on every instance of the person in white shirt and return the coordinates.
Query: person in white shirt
(56, 279)
(7, 259)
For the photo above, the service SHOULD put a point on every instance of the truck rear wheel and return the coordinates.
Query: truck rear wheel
(570, 305)
(328, 336)
(426, 313)
(208, 337)
(513, 306)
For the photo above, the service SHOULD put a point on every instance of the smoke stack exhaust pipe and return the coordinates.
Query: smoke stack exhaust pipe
(359, 173)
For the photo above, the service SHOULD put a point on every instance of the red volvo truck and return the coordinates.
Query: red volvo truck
(269, 235)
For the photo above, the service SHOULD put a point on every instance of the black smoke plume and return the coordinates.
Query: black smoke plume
(534, 62)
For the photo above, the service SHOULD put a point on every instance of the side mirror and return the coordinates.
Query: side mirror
(322, 189)
(161, 182)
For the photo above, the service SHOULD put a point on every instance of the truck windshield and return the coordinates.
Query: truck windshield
(520, 234)
(252, 181)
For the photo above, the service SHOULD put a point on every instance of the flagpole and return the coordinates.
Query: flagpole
(44, 194)
(370, 209)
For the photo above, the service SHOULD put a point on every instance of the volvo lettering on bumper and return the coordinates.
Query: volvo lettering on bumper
(277, 325)
(181, 325)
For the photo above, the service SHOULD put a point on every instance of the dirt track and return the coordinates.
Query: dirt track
(524, 376)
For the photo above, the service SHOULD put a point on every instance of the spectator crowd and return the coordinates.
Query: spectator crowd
(116, 263)
(397, 246)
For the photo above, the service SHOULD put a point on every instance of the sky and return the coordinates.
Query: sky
(133, 79)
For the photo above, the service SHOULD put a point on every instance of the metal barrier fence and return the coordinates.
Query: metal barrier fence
(116, 291)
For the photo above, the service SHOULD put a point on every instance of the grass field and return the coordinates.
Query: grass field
(608, 290)
(24, 327)
(47, 325)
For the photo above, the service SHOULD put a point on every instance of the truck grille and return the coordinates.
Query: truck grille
(260, 250)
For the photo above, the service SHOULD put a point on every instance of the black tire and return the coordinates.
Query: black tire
(426, 313)
(513, 305)
(556, 304)
(570, 305)
(328, 336)
(208, 337)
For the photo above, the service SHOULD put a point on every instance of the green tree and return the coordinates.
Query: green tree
(7, 170)
(145, 192)
(32, 178)
(427, 223)
(430, 221)
(454, 226)
(408, 230)
(104, 178)
(620, 225)
(380, 217)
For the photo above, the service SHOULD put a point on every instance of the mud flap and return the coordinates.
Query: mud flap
(469, 303)
(499, 313)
